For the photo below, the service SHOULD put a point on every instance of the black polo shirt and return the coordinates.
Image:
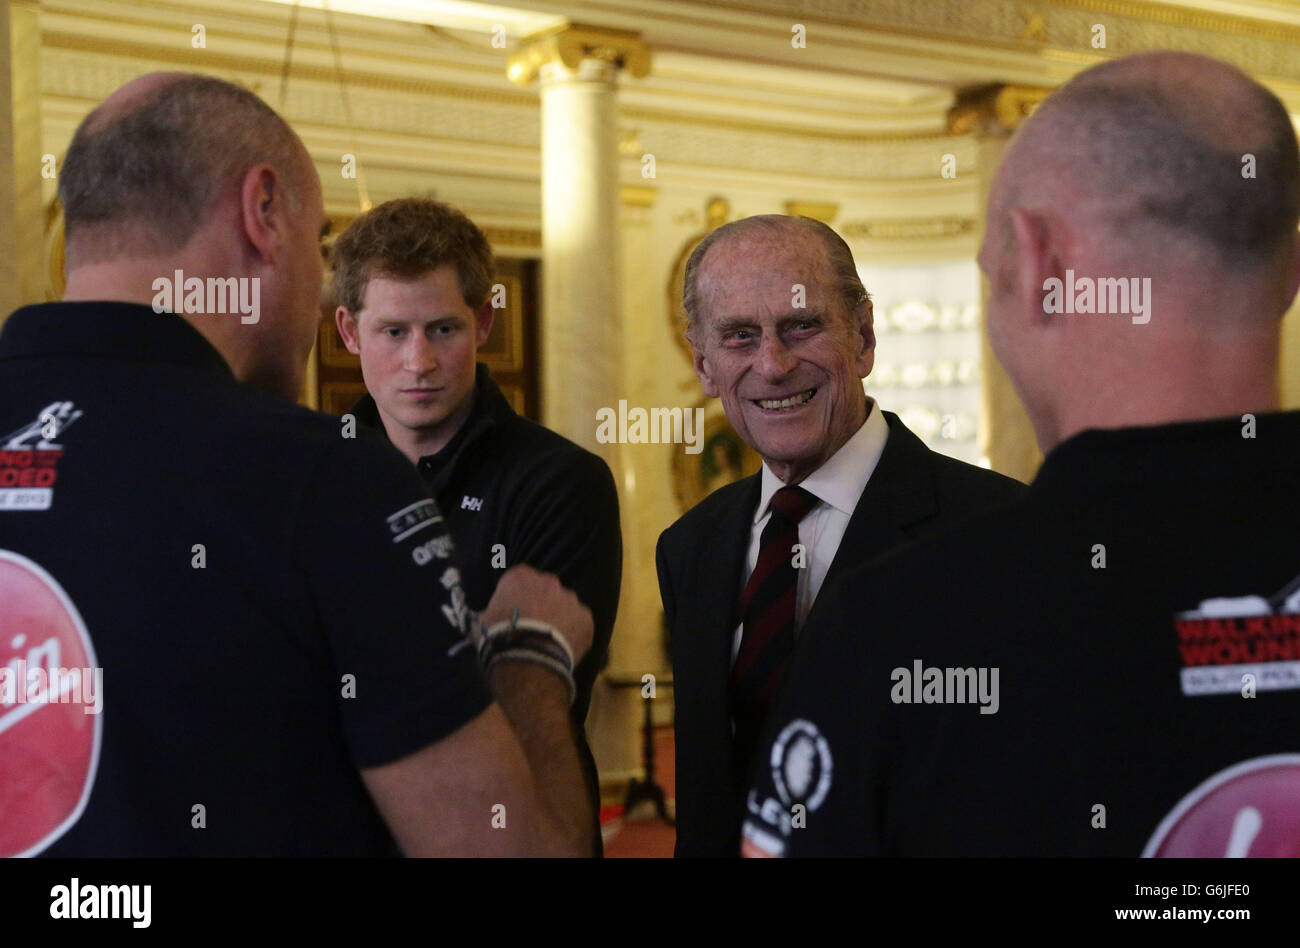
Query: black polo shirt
(514, 492)
(247, 580)
(1140, 608)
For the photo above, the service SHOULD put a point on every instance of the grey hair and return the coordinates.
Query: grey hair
(848, 284)
(157, 168)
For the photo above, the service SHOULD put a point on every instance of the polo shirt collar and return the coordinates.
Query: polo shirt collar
(107, 328)
(489, 407)
(1185, 456)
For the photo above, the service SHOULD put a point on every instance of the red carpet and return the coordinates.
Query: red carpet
(641, 834)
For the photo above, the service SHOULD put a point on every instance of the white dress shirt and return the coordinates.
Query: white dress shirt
(837, 484)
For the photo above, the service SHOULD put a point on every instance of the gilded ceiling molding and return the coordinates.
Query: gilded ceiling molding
(513, 237)
(825, 213)
(571, 43)
(796, 152)
(993, 110)
(908, 228)
(218, 62)
(1004, 19)
(513, 123)
(460, 113)
(457, 118)
(1059, 27)
(1207, 20)
(529, 237)
(639, 113)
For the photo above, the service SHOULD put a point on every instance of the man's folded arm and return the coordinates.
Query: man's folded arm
(500, 785)
(453, 771)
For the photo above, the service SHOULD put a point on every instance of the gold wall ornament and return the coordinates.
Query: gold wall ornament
(570, 43)
(717, 212)
(1034, 29)
(512, 236)
(818, 211)
(724, 458)
(629, 143)
(993, 109)
(638, 195)
(907, 228)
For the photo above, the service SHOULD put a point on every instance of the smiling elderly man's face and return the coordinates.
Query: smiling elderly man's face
(789, 375)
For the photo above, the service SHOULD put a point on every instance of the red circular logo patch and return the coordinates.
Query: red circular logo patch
(50, 699)
(1250, 809)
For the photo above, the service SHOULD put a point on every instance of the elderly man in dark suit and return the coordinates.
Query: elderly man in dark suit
(781, 329)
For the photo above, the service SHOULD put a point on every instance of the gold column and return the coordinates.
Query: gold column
(22, 244)
(582, 333)
(992, 114)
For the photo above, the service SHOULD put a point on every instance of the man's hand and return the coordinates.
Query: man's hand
(542, 597)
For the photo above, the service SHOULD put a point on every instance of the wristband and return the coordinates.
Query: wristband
(537, 658)
(526, 633)
(528, 640)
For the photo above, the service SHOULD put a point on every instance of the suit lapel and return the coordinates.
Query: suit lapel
(715, 588)
(724, 565)
(901, 492)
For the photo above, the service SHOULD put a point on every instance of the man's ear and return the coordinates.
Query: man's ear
(262, 211)
(1038, 258)
(1293, 277)
(703, 370)
(347, 322)
(483, 323)
(866, 331)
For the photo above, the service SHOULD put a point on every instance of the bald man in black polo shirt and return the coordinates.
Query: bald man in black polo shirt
(281, 676)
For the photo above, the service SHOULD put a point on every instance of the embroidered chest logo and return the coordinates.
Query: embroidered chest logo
(29, 459)
(1245, 644)
(471, 503)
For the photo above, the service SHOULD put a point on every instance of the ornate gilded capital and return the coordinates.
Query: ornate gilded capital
(571, 43)
(994, 110)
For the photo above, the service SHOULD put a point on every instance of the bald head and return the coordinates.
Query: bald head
(145, 168)
(1169, 183)
(1160, 149)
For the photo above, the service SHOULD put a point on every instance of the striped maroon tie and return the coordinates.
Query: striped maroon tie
(767, 608)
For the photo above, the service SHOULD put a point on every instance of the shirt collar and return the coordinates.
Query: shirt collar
(1102, 460)
(107, 328)
(842, 479)
(490, 407)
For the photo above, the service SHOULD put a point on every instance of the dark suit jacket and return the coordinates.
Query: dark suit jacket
(701, 560)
